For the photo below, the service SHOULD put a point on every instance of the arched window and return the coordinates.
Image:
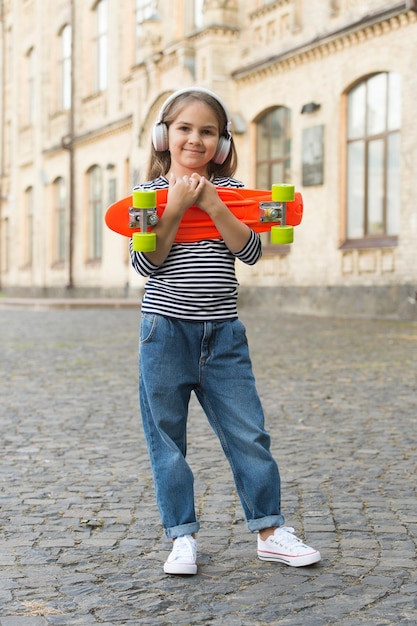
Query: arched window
(373, 157)
(95, 212)
(273, 148)
(273, 154)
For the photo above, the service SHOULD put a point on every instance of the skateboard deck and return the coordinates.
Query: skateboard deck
(254, 207)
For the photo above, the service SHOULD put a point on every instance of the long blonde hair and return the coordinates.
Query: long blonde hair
(160, 162)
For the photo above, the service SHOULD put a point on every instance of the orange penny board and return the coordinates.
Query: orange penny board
(196, 225)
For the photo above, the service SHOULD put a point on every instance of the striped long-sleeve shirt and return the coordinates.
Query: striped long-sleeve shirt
(197, 281)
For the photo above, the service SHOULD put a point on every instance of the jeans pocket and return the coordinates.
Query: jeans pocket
(147, 327)
(239, 331)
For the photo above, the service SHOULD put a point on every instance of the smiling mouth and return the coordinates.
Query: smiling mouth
(193, 151)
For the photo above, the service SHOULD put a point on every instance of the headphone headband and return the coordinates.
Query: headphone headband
(175, 95)
(160, 129)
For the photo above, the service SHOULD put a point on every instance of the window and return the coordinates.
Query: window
(145, 10)
(5, 245)
(101, 46)
(273, 153)
(9, 51)
(95, 217)
(198, 13)
(30, 77)
(373, 157)
(65, 68)
(60, 202)
(28, 228)
(273, 148)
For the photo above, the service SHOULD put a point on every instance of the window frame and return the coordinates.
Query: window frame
(368, 140)
(283, 160)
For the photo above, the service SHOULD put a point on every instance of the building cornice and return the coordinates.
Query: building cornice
(267, 8)
(106, 129)
(214, 29)
(97, 133)
(367, 27)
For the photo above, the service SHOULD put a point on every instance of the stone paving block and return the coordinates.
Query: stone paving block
(23, 621)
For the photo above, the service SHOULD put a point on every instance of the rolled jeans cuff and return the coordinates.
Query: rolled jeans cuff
(255, 525)
(182, 529)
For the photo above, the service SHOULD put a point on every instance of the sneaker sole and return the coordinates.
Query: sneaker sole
(293, 561)
(187, 569)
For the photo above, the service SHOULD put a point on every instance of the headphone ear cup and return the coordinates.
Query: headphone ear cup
(223, 149)
(160, 137)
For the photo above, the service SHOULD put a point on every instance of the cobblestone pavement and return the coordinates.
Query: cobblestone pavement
(80, 537)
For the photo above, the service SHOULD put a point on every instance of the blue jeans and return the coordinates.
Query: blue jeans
(212, 359)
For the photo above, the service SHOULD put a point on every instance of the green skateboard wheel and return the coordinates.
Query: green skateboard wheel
(282, 234)
(144, 242)
(283, 193)
(144, 199)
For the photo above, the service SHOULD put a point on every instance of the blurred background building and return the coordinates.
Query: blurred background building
(322, 94)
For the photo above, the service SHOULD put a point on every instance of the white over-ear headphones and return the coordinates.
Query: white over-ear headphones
(160, 129)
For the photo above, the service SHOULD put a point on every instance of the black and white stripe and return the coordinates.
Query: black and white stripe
(197, 281)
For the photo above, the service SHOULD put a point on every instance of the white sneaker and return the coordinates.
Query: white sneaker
(285, 547)
(182, 559)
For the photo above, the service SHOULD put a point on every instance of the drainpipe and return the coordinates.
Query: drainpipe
(3, 126)
(68, 144)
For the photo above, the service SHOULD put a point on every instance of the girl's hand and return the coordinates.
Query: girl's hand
(183, 192)
(234, 232)
(209, 200)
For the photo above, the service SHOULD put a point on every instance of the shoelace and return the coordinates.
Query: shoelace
(182, 545)
(285, 536)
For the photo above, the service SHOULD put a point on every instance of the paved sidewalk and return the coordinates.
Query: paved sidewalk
(80, 541)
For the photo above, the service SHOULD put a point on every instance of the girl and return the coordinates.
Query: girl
(191, 339)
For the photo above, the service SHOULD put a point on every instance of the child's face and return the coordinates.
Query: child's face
(193, 137)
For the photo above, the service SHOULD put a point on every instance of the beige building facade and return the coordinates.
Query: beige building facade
(322, 94)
